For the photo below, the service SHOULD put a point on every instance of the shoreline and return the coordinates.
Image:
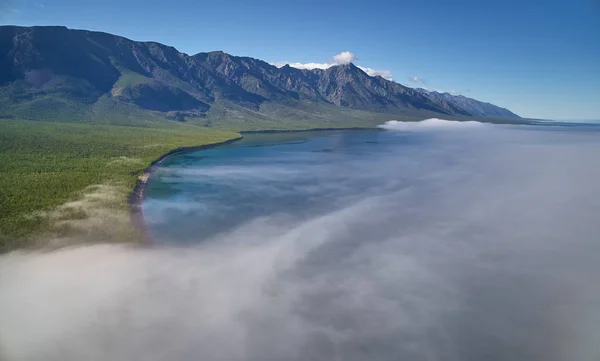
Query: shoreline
(275, 131)
(136, 197)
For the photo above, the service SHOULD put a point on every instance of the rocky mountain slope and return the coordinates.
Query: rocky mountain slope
(474, 107)
(77, 73)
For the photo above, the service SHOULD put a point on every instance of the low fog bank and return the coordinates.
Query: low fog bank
(482, 244)
(429, 124)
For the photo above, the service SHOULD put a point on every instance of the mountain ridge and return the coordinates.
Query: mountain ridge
(476, 107)
(87, 72)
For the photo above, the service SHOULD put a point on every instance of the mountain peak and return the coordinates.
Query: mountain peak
(348, 69)
(153, 76)
(348, 66)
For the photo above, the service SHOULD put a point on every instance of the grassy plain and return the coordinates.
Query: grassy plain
(44, 165)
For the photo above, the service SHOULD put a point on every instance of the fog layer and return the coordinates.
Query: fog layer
(440, 242)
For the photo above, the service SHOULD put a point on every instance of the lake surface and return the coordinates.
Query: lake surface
(422, 241)
(197, 195)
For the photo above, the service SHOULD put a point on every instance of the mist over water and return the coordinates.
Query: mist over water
(436, 241)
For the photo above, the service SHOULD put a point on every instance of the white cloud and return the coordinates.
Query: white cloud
(428, 124)
(416, 79)
(345, 57)
(386, 74)
(308, 66)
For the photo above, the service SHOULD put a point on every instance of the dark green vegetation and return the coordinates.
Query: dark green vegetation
(44, 165)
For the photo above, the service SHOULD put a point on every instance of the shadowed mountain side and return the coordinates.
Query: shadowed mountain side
(55, 70)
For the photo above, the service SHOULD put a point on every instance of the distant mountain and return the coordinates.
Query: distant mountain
(56, 72)
(474, 107)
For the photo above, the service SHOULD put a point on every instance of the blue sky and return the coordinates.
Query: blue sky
(538, 58)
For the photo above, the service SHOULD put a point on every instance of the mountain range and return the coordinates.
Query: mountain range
(76, 75)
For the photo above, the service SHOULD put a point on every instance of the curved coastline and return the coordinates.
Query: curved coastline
(137, 195)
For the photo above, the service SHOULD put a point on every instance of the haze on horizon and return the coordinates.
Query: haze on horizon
(538, 60)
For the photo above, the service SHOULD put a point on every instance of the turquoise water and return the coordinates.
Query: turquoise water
(199, 194)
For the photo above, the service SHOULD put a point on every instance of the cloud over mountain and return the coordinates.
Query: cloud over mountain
(345, 57)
